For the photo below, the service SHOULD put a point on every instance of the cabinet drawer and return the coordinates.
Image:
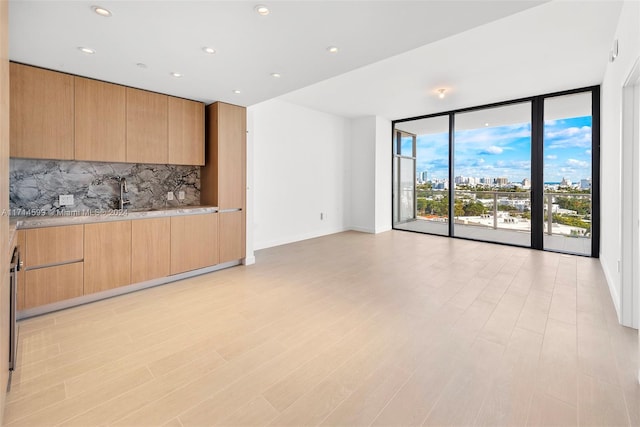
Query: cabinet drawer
(53, 245)
(52, 284)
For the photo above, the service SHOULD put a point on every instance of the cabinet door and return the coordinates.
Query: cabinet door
(223, 177)
(52, 284)
(146, 127)
(107, 255)
(232, 245)
(186, 132)
(41, 113)
(194, 242)
(232, 134)
(53, 245)
(150, 249)
(100, 121)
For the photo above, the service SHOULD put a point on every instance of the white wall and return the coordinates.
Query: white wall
(370, 174)
(383, 174)
(363, 174)
(628, 35)
(301, 168)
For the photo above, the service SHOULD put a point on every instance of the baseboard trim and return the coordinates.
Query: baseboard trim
(615, 296)
(298, 238)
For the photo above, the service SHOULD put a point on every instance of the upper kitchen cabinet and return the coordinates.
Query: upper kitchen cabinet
(186, 132)
(100, 121)
(223, 179)
(41, 113)
(146, 127)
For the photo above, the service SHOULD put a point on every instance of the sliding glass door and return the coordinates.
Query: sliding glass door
(492, 174)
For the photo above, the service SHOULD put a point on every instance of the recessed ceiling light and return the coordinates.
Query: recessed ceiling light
(86, 50)
(176, 74)
(441, 92)
(141, 65)
(486, 124)
(209, 50)
(262, 10)
(101, 11)
(332, 49)
(276, 75)
(236, 91)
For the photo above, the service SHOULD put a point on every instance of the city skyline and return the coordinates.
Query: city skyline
(505, 151)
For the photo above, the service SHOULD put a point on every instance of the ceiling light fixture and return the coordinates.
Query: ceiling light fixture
(332, 49)
(276, 75)
(262, 10)
(86, 50)
(101, 11)
(486, 124)
(441, 92)
(176, 74)
(236, 91)
(209, 50)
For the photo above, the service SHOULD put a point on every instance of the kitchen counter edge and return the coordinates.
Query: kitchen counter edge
(23, 223)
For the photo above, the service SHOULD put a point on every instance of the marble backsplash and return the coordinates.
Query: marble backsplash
(36, 184)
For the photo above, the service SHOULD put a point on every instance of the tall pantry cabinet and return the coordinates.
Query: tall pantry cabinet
(223, 179)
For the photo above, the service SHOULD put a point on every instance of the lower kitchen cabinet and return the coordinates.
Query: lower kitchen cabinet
(52, 284)
(194, 242)
(150, 249)
(107, 256)
(232, 240)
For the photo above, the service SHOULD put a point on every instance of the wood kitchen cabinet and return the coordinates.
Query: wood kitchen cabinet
(150, 249)
(147, 138)
(53, 265)
(107, 255)
(186, 131)
(100, 121)
(223, 179)
(53, 245)
(41, 113)
(194, 242)
(52, 284)
(232, 237)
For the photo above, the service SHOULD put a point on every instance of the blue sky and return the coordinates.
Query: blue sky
(506, 151)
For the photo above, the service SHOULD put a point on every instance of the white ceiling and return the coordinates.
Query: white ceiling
(556, 46)
(168, 36)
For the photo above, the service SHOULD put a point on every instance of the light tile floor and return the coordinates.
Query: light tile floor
(350, 329)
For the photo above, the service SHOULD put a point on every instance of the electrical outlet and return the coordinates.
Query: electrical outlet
(65, 199)
(181, 195)
(170, 195)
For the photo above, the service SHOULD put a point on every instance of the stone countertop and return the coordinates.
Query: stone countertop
(89, 216)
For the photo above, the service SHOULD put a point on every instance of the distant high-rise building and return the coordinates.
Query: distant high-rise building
(585, 184)
(526, 183)
(486, 180)
(502, 180)
(423, 176)
(461, 180)
(565, 182)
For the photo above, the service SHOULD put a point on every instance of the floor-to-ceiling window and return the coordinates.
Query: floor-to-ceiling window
(431, 183)
(567, 173)
(519, 172)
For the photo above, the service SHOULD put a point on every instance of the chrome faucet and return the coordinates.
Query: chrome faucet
(123, 190)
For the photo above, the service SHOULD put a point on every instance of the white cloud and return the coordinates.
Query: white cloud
(588, 152)
(570, 137)
(577, 163)
(494, 149)
(552, 157)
